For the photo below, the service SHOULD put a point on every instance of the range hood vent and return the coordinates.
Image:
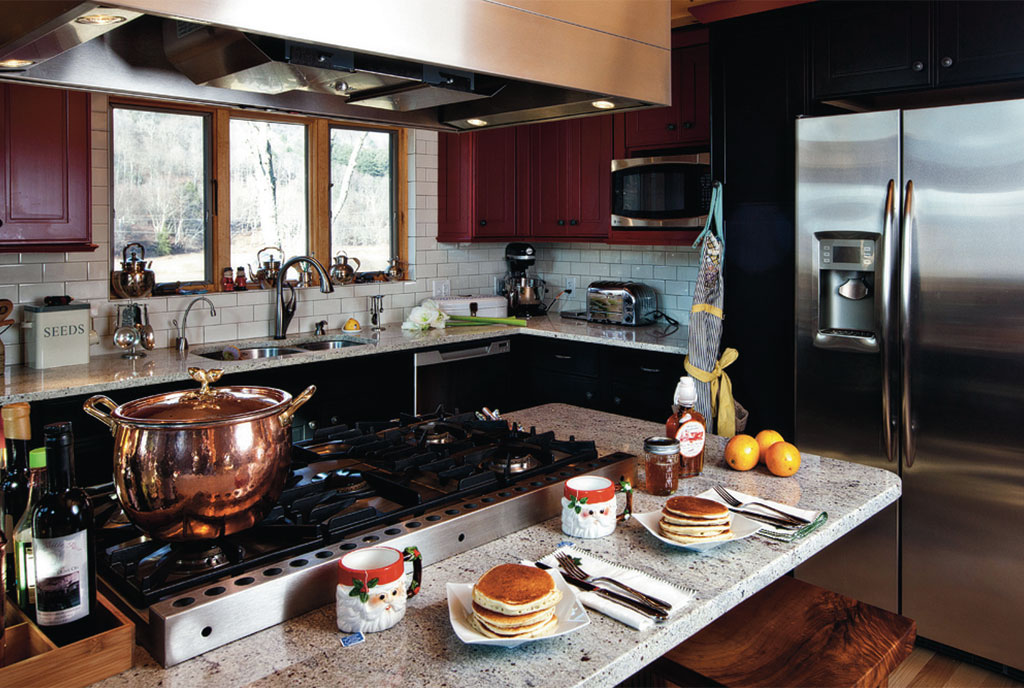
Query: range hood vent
(434, 64)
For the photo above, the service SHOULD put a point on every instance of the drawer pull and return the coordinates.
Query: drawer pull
(563, 357)
(650, 370)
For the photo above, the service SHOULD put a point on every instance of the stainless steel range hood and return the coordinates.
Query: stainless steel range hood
(437, 64)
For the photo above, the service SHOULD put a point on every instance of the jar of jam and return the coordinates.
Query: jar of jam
(661, 465)
(687, 426)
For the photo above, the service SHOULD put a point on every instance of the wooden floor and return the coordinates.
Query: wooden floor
(925, 668)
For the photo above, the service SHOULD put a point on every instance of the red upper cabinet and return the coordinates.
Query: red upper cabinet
(454, 187)
(494, 178)
(687, 122)
(570, 187)
(45, 165)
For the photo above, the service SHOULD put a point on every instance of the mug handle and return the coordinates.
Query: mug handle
(413, 554)
(626, 487)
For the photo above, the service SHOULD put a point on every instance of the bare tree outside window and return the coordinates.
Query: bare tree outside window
(268, 189)
(159, 174)
(361, 196)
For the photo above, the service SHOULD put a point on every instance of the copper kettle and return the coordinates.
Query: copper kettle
(134, 280)
(341, 271)
(396, 269)
(266, 275)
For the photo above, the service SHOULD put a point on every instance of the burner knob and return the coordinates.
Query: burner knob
(334, 420)
(311, 425)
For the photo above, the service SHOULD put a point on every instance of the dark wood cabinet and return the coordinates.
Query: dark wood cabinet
(570, 185)
(45, 165)
(687, 122)
(869, 47)
(977, 42)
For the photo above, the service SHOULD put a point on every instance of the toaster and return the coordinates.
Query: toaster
(621, 303)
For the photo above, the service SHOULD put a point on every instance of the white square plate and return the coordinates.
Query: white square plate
(570, 612)
(741, 527)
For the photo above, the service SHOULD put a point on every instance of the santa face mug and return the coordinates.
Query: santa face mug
(372, 587)
(588, 506)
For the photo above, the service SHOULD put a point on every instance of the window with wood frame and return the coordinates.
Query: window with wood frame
(206, 188)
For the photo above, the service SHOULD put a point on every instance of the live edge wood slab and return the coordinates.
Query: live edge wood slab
(422, 650)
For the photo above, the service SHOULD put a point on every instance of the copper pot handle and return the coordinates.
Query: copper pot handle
(286, 415)
(90, 404)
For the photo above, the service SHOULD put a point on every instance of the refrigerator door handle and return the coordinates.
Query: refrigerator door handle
(888, 270)
(906, 273)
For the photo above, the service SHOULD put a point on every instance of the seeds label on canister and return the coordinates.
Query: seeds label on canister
(691, 438)
(62, 578)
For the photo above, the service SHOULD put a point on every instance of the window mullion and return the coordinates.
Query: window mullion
(222, 180)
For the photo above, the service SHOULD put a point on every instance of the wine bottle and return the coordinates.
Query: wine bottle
(62, 542)
(24, 560)
(17, 433)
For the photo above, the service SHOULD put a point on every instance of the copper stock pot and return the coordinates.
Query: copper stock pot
(200, 464)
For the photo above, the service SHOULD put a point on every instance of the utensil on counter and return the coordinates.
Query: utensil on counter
(377, 312)
(635, 605)
(731, 500)
(134, 280)
(146, 333)
(573, 569)
(762, 518)
(200, 464)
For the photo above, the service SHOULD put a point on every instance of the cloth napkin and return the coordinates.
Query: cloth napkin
(674, 595)
(816, 518)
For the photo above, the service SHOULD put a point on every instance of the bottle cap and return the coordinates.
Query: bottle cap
(37, 458)
(686, 391)
(16, 421)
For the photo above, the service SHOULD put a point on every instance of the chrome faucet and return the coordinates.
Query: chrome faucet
(182, 343)
(283, 313)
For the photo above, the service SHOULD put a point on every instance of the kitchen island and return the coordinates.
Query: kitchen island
(111, 372)
(423, 650)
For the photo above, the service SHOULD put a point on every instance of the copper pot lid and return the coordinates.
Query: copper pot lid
(205, 406)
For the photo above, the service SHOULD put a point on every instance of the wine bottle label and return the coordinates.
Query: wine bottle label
(62, 578)
(25, 570)
(691, 438)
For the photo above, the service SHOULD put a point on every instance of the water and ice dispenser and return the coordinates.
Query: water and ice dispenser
(846, 290)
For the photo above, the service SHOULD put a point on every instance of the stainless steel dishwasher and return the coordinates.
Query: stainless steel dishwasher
(463, 377)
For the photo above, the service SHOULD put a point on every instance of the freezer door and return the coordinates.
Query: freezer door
(963, 307)
(848, 185)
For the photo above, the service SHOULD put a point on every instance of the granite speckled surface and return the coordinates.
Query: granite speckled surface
(105, 373)
(423, 650)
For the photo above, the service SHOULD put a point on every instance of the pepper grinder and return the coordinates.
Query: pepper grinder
(377, 312)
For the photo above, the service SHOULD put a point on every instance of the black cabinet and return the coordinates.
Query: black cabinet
(977, 42)
(870, 47)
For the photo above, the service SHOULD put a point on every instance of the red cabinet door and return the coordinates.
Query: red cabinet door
(551, 178)
(688, 120)
(454, 187)
(45, 165)
(590, 182)
(494, 179)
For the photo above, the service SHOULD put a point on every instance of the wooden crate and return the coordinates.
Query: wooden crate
(32, 659)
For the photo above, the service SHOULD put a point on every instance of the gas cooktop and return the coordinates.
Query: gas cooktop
(415, 478)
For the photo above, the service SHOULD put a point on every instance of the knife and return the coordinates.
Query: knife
(635, 605)
(770, 520)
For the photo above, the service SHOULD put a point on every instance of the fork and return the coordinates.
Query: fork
(732, 501)
(573, 569)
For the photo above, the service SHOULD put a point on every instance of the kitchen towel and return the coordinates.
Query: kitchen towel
(594, 566)
(816, 518)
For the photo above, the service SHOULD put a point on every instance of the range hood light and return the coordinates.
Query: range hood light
(603, 104)
(100, 19)
(15, 64)
(477, 122)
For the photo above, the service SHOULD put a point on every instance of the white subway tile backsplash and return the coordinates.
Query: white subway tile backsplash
(62, 272)
(21, 274)
(642, 272)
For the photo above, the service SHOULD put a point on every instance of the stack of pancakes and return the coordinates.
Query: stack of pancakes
(514, 601)
(690, 520)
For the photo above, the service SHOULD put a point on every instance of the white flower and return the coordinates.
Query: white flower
(425, 316)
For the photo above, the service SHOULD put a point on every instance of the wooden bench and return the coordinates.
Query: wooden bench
(793, 633)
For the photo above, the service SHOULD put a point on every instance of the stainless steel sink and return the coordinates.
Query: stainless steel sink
(330, 344)
(252, 352)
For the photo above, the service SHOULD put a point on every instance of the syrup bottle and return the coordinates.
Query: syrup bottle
(688, 426)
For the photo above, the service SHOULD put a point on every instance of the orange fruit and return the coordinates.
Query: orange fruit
(783, 459)
(765, 439)
(741, 452)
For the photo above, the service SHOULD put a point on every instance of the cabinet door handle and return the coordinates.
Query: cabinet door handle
(334, 420)
(650, 370)
(563, 357)
(561, 223)
(946, 62)
(589, 395)
(574, 222)
(617, 401)
(917, 66)
(671, 126)
(687, 125)
(311, 425)
(483, 223)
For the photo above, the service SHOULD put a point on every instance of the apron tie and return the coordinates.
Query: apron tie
(722, 405)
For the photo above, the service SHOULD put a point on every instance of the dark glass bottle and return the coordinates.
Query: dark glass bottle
(17, 433)
(24, 560)
(63, 545)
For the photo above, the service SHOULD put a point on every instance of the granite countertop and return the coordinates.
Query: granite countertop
(109, 372)
(423, 650)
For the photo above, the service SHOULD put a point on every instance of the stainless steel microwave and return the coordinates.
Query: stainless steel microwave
(661, 193)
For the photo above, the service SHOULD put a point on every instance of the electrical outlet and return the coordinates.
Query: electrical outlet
(442, 288)
(570, 285)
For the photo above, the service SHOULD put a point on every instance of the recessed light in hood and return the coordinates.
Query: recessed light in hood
(437, 64)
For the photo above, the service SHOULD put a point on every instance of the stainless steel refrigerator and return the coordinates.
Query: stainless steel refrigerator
(910, 357)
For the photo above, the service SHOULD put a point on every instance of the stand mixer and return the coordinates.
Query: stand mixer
(523, 291)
